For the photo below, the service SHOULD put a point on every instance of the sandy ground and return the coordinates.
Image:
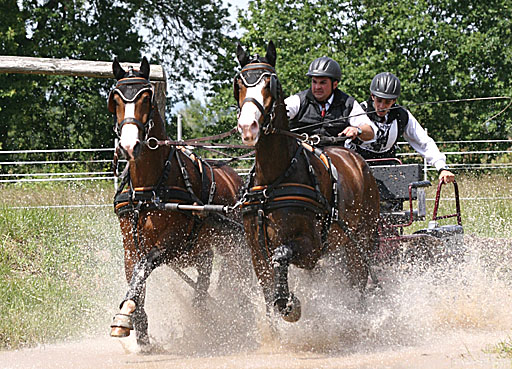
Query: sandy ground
(452, 316)
(455, 350)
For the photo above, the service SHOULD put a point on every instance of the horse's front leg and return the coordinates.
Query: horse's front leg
(132, 312)
(284, 301)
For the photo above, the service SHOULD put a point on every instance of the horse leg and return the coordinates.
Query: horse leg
(204, 269)
(140, 322)
(358, 268)
(285, 302)
(133, 303)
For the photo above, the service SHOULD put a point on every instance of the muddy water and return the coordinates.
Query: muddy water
(449, 316)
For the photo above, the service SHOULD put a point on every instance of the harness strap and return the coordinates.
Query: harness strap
(167, 169)
(261, 199)
(148, 197)
(186, 179)
(131, 120)
(262, 234)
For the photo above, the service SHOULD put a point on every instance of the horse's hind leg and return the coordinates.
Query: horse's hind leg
(132, 306)
(204, 268)
(358, 267)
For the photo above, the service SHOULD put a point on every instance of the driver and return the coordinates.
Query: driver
(392, 122)
(311, 110)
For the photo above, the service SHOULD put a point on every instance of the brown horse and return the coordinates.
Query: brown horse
(301, 202)
(157, 179)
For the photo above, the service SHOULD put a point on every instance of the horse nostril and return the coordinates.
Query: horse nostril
(136, 150)
(254, 126)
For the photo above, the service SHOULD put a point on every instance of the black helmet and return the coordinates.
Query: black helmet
(385, 85)
(324, 67)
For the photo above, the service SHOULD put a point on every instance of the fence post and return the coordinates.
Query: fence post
(425, 177)
(180, 128)
(160, 96)
(116, 143)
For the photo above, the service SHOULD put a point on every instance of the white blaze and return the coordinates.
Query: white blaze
(129, 132)
(248, 125)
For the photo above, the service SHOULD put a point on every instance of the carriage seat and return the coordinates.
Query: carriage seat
(393, 182)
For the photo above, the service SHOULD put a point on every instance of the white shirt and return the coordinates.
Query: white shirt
(414, 134)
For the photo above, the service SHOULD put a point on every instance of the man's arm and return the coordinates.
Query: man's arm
(426, 147)
(364, 132)
(292, 105)
(360, 125)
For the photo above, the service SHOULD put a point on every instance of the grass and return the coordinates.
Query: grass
(503, 349)
(56, 265)
(61, 270)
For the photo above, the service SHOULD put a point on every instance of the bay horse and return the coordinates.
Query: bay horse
(301, 202)
(156, 177)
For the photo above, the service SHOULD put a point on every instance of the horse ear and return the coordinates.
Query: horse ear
(119, 72)
(271, 55)
(241, 55)
(144, 68)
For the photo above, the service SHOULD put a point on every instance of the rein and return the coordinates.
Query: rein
(340, 121)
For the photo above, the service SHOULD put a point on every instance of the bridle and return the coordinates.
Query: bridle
(275, 89)
(129, 95)
(249, 79)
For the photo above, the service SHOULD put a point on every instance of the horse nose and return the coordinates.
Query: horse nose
(131, 149)
(129, 141)
(249, 132)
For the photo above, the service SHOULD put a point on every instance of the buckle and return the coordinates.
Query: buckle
(314, 140)
(149, 145)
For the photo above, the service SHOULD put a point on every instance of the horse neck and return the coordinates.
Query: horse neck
(147, 169)
(274, 152)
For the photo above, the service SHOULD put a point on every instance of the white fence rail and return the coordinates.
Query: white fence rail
(29, 176)
(6, 176)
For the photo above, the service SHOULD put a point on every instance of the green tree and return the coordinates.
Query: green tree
(59, 111)
(439, 49)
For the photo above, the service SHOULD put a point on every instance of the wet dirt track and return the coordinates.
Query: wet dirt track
(462, 350)
(449, 317)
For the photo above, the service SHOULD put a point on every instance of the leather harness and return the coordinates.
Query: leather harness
(133, 200)
(281, 194)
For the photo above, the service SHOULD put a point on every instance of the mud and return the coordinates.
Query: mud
(450, 315)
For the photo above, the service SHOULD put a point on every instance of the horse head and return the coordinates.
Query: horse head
(132, 103)
(256, 90)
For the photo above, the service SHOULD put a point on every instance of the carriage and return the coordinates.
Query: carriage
(401, 184)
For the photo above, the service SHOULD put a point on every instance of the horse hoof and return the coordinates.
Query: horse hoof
(119, 332)
(293, 310)
(121, 325)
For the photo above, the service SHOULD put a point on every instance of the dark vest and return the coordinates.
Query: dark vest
(398, 114)
(310, 113)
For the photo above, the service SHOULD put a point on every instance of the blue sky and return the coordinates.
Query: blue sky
(235, 4)
(240, 4)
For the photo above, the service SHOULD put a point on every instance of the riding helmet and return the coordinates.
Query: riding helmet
(324, 67)
(385, 85)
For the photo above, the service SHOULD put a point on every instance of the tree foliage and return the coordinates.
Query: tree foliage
(440, 50)
(58, 111)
